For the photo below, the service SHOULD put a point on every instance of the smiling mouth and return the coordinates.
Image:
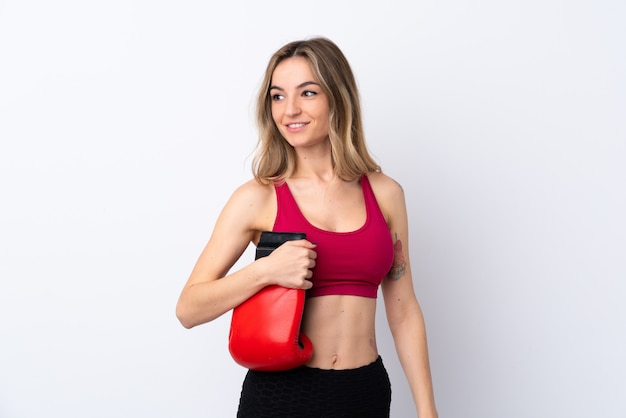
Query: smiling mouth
(296, 125)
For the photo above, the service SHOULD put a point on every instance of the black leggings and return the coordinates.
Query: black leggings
(316, 393)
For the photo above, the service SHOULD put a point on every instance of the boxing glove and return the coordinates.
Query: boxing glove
(265, 329)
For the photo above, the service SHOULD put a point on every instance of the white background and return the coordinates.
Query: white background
(125, 126)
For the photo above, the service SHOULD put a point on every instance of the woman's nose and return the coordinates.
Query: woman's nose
(293, 107)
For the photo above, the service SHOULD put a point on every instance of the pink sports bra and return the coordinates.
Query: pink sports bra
(348, 263)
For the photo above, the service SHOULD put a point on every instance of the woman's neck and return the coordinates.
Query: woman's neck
(315, 166)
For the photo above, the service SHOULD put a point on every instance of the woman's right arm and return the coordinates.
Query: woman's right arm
(209, 291)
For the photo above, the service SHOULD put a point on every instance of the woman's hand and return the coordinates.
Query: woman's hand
(290, 264)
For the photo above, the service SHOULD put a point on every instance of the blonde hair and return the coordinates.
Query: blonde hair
(275, 158)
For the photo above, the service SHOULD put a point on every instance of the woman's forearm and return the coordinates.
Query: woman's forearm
(204, 301)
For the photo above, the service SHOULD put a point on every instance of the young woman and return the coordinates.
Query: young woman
(313, 173)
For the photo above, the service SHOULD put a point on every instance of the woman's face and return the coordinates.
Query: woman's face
(299, 105)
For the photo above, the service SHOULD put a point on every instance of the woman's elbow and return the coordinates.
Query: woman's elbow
(183, 317)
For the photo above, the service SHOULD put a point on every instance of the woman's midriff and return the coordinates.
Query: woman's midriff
(342, 330)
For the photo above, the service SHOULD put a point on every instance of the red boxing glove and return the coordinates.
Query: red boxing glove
(265, 329)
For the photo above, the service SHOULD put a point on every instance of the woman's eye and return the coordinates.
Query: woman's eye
(309, 93)
(276, 97)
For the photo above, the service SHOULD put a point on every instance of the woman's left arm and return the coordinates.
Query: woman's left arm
(404, 314)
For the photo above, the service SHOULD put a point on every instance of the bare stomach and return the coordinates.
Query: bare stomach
(342, 330)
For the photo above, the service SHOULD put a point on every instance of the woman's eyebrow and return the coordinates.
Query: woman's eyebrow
(299, 86)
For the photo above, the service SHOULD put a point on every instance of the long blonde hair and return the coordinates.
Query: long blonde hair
(275, 158)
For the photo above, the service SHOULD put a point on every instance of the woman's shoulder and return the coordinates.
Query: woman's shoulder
(385, 186)
(252, 197)
(251, 207)
(253, 191)
(389, 195)
(253, 184)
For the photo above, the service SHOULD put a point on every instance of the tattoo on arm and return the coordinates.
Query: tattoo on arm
(399, 264)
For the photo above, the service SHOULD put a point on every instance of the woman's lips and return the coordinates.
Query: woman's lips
(295, 127)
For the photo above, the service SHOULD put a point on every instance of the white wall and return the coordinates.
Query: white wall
(125, 125)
